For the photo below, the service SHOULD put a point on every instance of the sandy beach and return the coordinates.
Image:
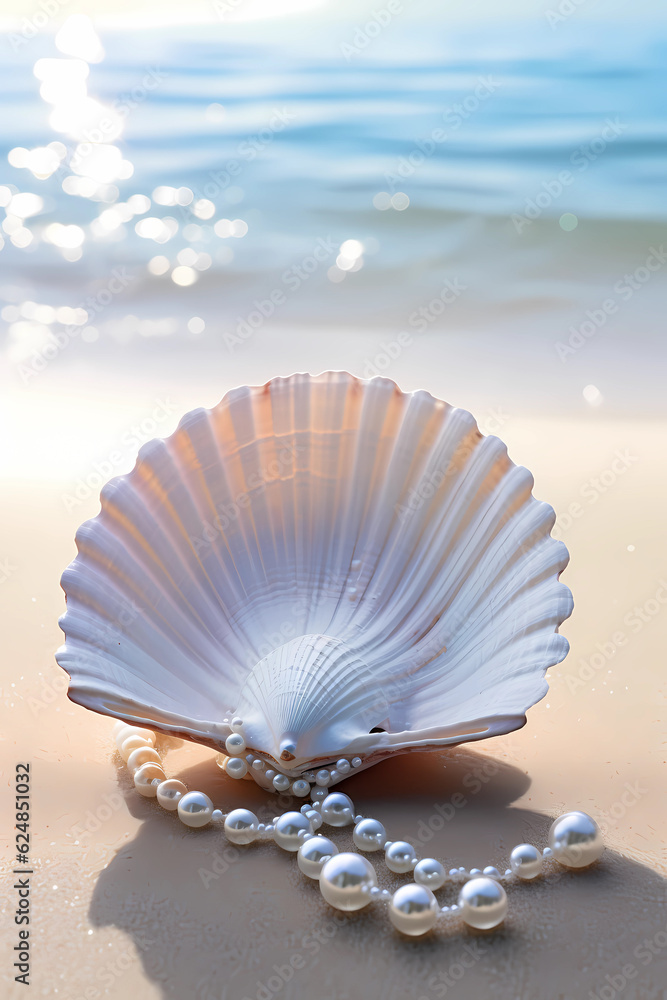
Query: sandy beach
(267, 201)
(127, 900)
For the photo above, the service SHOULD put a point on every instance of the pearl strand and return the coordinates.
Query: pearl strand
(348, 881)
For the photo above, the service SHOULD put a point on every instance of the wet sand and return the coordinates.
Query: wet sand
(127, 902)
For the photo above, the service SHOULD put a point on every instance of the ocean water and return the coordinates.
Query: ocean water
(434, 179)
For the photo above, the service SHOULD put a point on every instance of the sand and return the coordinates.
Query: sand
(127, 902)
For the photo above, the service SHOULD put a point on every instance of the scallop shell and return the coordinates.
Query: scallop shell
(352, 570)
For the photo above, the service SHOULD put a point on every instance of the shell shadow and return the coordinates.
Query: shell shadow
(214, 922)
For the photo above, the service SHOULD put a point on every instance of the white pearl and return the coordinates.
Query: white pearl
(356, 762)
(287, 830)
(315, 818)
(300, 788)
(241, 826)
(491, 872)
(133, 743)
(483, 903)
(430, 873)
(217, 816)
(281, 782)
(313, 854)
(128, 731)
(236, 723)
(195, 809)
(338, 809)
(270, 774)
(144, 777)
(413, 909)
(343, 765)
(322, 778)
(169, 792)
(346, 881)
(576, 840)
(236, 767)
(235, 744)
(143, 755)
(369, 835)
(258, 765)
(400, 857)
(318, 794)
(526, 861)
(334, 775)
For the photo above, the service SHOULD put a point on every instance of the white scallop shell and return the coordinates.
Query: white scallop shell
(321, 556)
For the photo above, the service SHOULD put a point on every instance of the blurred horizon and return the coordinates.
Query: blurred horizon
(470, 207)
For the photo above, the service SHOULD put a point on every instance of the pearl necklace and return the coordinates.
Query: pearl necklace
(348, 881)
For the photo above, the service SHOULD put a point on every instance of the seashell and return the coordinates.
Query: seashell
(350, 570)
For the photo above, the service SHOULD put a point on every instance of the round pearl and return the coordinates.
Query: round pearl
(369, 835)
(126, 731)
(491, 871)
(235, 744)
(169, 793)
(400, 857)
(356, 762)
(430, 873)
(575, 840)
(236, 723)
(343, 765)
(526, 861)
(241, 826)
(322, 778)
(281, 782)
(338, 809)
(413, 909)
(289, 830)
(143, 755)
(258, 765)
(346, 881)
(315, 818)
(144, 777)
(133, 743)
(236, 767)
(318, 794)
(195, 809)
(300, 788)
(482, 903)
(313, 854)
